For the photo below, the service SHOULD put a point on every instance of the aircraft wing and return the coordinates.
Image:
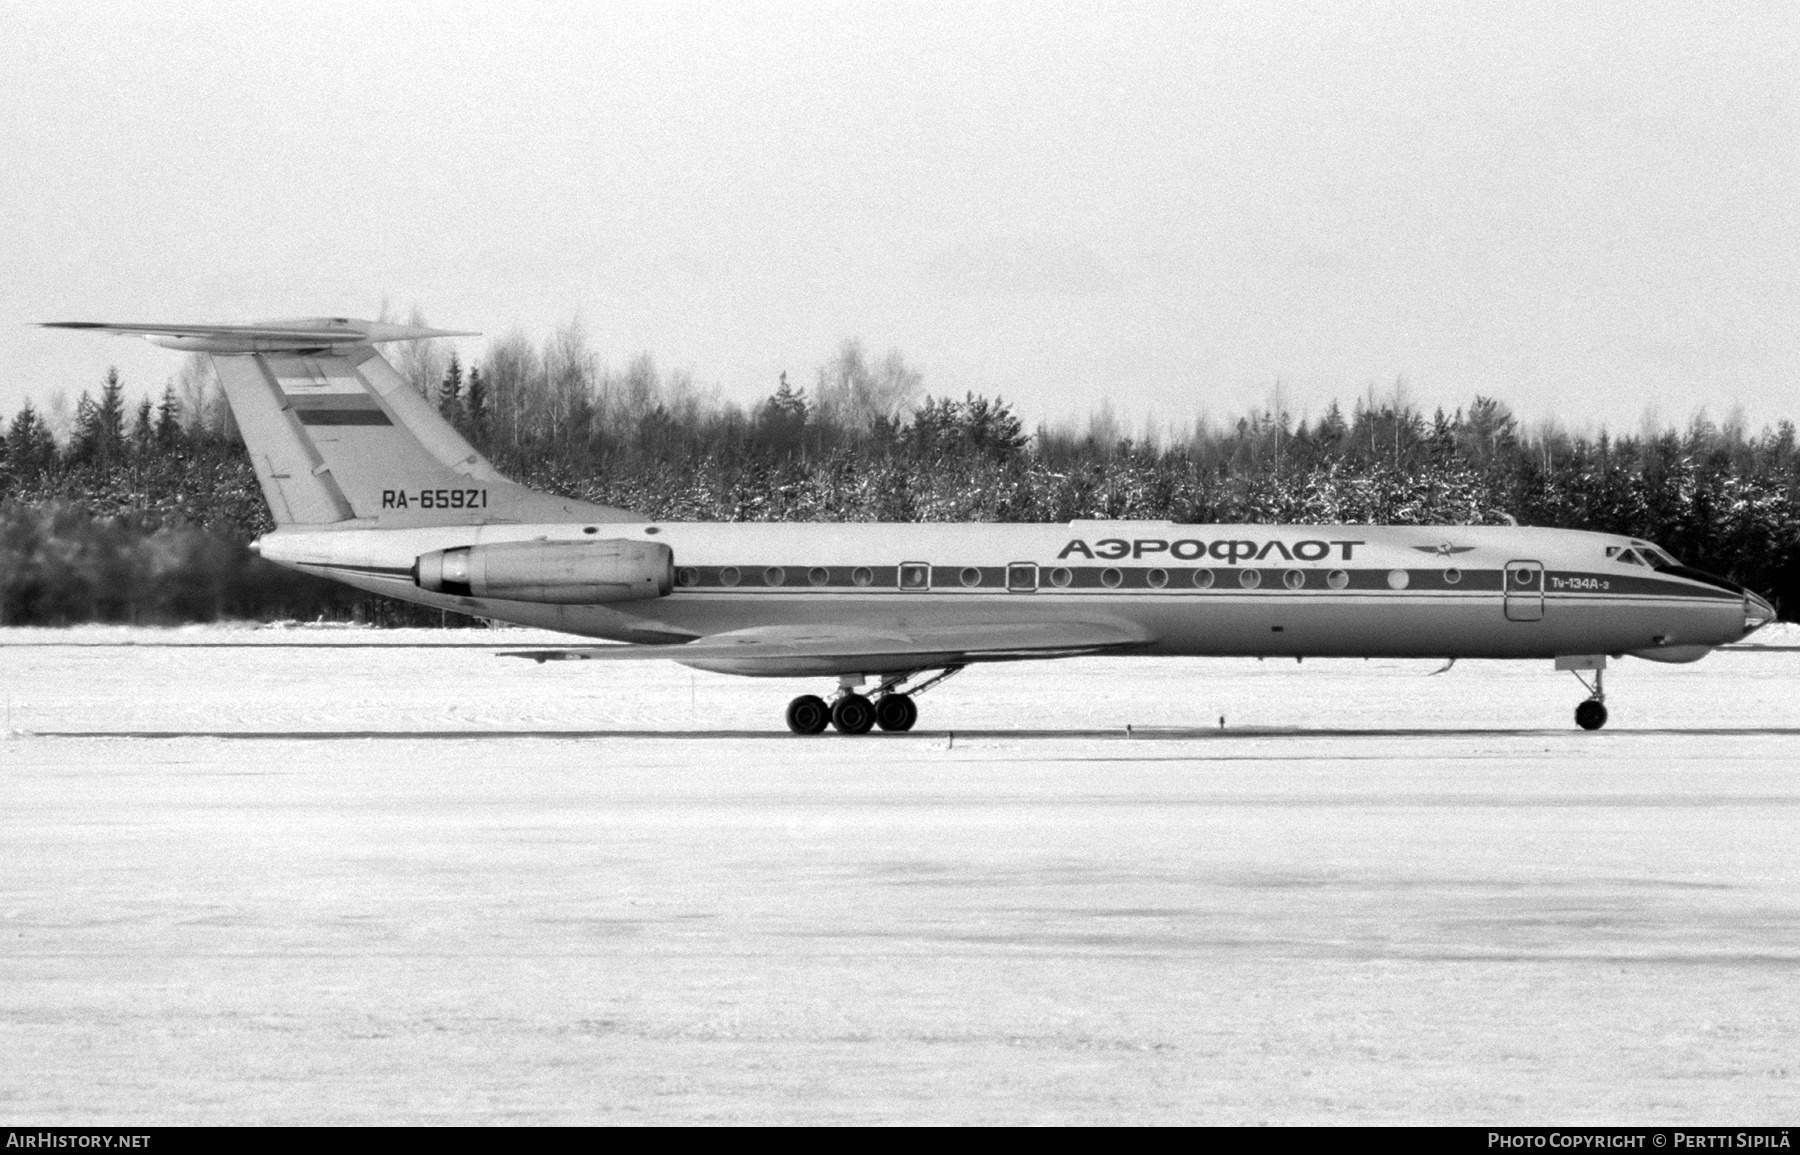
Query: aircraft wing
(805, 650)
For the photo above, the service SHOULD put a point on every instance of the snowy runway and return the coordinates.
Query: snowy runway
(399, 883)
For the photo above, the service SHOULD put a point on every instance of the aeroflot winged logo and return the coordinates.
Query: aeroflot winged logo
(1443, 549)
(1231, 552)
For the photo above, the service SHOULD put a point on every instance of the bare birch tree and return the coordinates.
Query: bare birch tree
(853, 394)
(421, 364)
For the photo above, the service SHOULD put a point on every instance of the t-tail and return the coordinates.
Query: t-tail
(337, 437)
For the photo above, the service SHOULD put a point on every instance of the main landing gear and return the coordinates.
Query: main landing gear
(893, 708)
(851, 713)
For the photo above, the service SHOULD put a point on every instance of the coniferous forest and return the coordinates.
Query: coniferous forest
(141, 513)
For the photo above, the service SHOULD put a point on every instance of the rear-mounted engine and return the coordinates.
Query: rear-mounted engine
(558, 572)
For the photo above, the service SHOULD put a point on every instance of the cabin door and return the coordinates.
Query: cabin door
(1524, 591)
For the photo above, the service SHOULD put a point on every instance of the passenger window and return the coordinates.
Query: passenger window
(915, 575)
(1021, 576)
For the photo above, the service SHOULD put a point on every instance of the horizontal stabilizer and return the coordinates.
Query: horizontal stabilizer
(795, 650)
(304, 334)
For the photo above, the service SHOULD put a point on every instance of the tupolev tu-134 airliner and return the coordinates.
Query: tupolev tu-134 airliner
(370, 486)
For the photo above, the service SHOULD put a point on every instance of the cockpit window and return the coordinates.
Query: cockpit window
(1638, 553)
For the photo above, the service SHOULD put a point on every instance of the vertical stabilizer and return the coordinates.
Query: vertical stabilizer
(350, 439)
(335, 435)
(295, 479)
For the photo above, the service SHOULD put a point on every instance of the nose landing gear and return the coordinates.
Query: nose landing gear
(1591, 714)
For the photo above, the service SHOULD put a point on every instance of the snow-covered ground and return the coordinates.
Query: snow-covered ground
(386, 876)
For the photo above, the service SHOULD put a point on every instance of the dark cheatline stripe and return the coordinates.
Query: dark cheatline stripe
(1192, 581)
(374, 570)
(342, 417)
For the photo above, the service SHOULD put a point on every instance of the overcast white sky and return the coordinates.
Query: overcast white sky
(1585, 209)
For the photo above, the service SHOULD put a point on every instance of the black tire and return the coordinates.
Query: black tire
(853, 714)
(808, 714)
(1590, 715)
(896, 712)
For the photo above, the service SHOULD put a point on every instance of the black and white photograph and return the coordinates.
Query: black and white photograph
(888, 563)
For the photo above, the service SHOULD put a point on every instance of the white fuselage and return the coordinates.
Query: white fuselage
(1305, 591)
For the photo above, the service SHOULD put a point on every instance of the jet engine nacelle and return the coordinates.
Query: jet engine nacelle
(558, 572)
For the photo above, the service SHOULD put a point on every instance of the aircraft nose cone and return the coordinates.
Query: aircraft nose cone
(1757, 613)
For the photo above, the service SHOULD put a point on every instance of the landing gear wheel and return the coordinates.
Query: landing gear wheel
(808, 714)
(1590, 715)
(853, 714)
(896, 712)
